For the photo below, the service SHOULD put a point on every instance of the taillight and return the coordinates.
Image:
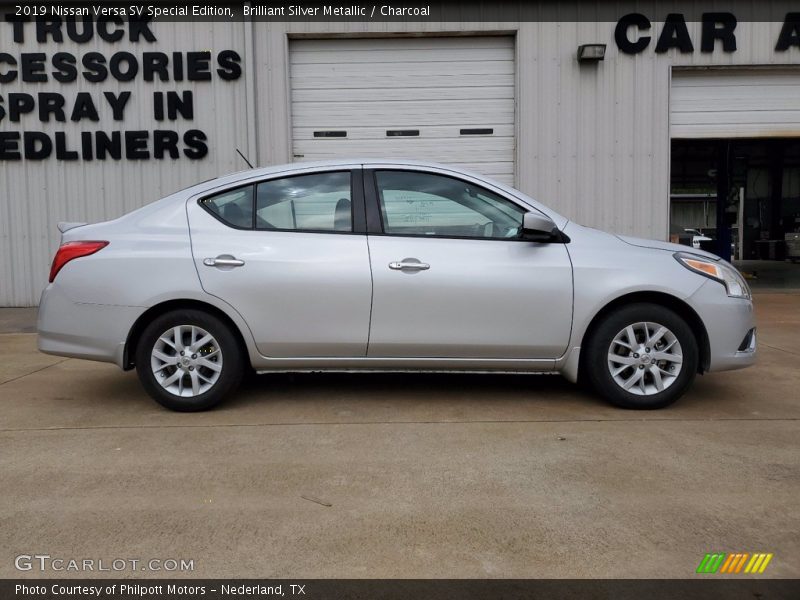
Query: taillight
(71, 250)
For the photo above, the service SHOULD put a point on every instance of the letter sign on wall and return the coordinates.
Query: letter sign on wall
(630, 33)
(64, 68)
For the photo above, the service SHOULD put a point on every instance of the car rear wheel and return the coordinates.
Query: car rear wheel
(188, 360)
(641, 356)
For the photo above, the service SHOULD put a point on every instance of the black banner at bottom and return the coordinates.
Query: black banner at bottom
(400, 589)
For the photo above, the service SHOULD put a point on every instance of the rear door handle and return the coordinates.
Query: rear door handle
(223, 260)
(409, 264)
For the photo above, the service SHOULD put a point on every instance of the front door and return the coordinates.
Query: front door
(453, 278)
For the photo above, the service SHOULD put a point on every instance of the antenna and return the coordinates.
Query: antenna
(244, 158)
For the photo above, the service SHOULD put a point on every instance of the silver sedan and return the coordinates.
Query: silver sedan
(386, 266)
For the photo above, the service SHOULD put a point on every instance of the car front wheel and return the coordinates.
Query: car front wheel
(642, 356)
(188, 360)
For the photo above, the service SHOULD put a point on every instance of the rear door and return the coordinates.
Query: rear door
(290, 255)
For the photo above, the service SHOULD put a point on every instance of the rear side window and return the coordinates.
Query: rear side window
(234, 207)
(318, 202)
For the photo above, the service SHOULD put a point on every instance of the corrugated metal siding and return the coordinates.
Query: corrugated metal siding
(36, 194)
(432, 86)
(715, 103)
(592, 141)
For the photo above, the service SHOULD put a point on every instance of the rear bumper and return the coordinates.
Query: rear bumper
(81, 330)
(730, 325)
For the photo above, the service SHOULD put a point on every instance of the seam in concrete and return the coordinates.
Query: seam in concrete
(350, 423)
(63, 360)
(780, 349)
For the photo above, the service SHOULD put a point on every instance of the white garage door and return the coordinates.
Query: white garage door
(735, 103)
(447, 100)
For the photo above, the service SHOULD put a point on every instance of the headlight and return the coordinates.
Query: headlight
(720, 271)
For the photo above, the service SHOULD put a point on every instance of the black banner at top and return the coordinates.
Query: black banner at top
(402, 10)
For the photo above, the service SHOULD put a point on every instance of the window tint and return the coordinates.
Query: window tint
(434, 205)
(234, 207)
(319, 202)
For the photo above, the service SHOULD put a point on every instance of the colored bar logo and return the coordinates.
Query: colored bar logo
(734, 563)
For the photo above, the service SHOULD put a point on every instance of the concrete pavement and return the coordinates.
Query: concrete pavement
(403, 475)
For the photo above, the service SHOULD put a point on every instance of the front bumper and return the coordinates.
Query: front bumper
(730, 325)
(82, 330)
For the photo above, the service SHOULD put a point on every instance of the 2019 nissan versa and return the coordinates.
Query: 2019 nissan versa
(388, 266)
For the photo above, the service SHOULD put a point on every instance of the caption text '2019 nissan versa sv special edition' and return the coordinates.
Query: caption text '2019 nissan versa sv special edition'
(388, 266)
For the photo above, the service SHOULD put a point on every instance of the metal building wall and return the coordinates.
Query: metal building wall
(36, 194)
(592, 141)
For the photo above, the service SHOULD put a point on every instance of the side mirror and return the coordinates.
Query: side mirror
(539, 228)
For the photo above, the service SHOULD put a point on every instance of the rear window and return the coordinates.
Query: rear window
(233, 207)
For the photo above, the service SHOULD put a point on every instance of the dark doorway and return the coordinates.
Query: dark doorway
(738, 198)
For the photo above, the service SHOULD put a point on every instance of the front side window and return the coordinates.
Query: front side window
(234, 207)
(426, 204)
(318, 202)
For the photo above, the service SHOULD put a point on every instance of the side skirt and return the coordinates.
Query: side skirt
(438, 365)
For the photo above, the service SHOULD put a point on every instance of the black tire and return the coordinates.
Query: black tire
(230, 373)
(595, 360)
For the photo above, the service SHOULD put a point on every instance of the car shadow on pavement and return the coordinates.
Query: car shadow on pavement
(431, 388)
(322, 397)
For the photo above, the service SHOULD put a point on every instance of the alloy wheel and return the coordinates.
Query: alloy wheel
(645, 358)
(186, 360)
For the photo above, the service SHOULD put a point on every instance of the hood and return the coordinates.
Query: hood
(656, 245)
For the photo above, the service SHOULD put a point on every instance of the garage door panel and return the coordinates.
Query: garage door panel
(712, 105)
(410, 121)
(409, 55)
(361, 132)
(440, 94)
(749, 130)
(436, 86)
(735, 103)
(730, 100)
(472, 159)
(490, 168)
(437, 152)
(732, 77)
(466, 147)
(339, 119)
(738, 92)
(403, 81)
(735, 117)
(467, 42)
(386, 109)
(444, 69)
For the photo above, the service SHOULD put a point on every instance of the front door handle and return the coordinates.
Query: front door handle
(409, 264)
(223, 260)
